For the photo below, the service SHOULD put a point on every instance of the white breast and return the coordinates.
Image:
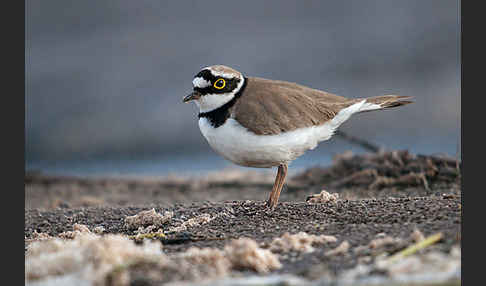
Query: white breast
(235, 143)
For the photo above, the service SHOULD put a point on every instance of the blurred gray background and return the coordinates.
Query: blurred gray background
(104, 79)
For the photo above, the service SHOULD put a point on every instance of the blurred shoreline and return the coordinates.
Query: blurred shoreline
(197, 165)
(385, 173)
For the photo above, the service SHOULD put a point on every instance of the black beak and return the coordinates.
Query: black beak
(192, 96)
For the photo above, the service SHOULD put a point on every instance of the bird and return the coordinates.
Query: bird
(265, 123)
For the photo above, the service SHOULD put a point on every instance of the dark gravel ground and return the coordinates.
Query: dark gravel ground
(358, 222)
(394, 208)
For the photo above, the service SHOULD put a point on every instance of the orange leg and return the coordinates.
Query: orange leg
(277, 186)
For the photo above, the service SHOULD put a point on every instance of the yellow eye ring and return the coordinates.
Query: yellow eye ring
(219, 84)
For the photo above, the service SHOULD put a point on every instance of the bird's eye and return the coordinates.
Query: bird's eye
(219, 84)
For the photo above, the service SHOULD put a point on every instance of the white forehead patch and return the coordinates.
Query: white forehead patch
(200, 82)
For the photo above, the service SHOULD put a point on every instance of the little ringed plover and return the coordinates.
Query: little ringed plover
(257, 122)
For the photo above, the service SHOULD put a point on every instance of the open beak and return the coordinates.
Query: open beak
(192, 96)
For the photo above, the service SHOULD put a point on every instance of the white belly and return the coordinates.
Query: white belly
(235, 143)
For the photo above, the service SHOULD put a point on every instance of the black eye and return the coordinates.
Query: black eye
(219, 84)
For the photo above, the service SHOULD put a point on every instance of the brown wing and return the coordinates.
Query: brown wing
(271, 107)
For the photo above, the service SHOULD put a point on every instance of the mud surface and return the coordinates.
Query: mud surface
(388, 174)
(389, 194)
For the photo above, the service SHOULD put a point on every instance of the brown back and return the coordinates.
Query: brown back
(270, 106)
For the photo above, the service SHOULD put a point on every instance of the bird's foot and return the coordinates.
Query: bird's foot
(271, 204)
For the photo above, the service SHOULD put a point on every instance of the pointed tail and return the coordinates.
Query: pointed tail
(384, 102)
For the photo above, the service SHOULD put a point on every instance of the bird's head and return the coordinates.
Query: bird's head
(214, 86)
